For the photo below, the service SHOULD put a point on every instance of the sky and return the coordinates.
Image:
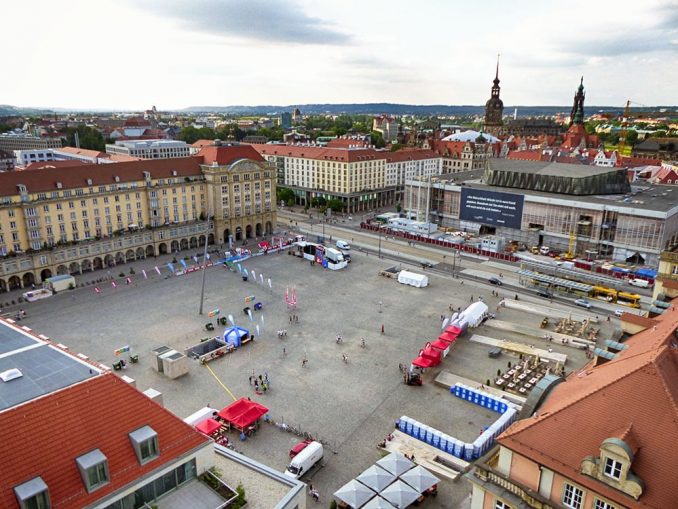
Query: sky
(133, 54)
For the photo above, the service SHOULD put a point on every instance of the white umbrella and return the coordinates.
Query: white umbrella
(376, 478)
(354, 494)
(400, 494)
(395, 463)
(378, 503)
(419, 478)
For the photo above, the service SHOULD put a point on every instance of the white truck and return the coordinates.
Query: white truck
(59, 283)
(302, 462)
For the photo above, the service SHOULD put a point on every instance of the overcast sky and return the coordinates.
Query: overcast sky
(132, 54)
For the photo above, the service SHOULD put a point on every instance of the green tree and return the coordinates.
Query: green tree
(335, 204)
(377, 139)
(284, 194)
(5, 127)
(191, 134)
(89, 138)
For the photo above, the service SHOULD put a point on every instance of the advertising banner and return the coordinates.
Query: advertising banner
(491, 208)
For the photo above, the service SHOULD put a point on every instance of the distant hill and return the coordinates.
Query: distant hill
(13, 111)
(393, 109)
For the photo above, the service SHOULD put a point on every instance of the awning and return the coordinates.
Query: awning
(615, 344)
(419, 478)
(604, 354)
(423, 362)
(431, 353)
(453, 329)
(395, 463)
(448, 336)
(400, 494)
(555, 281)
(208, 426)
(354, 494)
(376, 478)
(441, 344)
(243, 413)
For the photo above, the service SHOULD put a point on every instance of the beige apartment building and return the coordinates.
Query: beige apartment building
(72, 220)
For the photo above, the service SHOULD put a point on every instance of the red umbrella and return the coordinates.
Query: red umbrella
(208, 426)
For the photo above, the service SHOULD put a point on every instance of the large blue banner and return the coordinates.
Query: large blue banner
(491, 207)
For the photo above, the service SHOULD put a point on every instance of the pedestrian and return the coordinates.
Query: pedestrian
(462, 282)
(344, 358)
(250, 380)
(382, 328)
(284, 351)
(265, 377)
(304, 362)
(290, 319)
(471, 298)
(256, 385)
(261, 379)
(315, 496)
(264, 386)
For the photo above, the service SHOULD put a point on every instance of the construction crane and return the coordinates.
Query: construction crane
(624, 126)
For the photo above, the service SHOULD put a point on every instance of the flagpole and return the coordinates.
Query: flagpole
(204, 265)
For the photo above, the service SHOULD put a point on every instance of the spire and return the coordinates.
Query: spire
(495, 87)
(577, 113)
(496, 77)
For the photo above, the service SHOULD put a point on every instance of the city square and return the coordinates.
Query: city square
(350, 406)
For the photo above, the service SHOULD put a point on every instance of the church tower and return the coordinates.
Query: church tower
(577, 113)
(494, 108)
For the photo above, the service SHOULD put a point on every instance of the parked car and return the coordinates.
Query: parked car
(495, 281)
(583, 303)
(426, 265)
(640, 283)
(545, 293)
(342, 244)
(619, 312)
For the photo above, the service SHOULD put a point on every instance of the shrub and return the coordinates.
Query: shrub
(13, 303)
(122, 274)
(132, 271)
(71, 286)
(174, 260)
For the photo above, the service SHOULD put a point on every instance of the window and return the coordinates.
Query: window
(573, 497)
(501, 505)
(33, 494)
(600, 504)
(93, 468)
(145, 443)
(613, 468)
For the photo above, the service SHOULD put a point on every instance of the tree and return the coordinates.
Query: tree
(377, 139)
(284, 194)
(631, 137)
(335, 204)
(191, 134)
(89, 138)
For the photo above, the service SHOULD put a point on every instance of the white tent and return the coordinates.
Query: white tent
(410, 278)
(474, 314)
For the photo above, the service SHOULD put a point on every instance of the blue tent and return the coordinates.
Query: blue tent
(648, 273)
(235, 335)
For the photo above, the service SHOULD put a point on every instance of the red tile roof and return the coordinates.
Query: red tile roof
(82, 152)
(226, 154)
(321, 153)
(525, 155)
(346, 143)
(669, 283)
(44, 437)
(45, 180)
(56, 164)
(638, 390)
(202, 143)
(410, 155)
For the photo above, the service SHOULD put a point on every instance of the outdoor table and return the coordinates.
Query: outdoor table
(522, 376)
(527, 385)
(522, 390)
(511, 371)
(506, 376)
(511, 385)
(533, 380)
(499, 381)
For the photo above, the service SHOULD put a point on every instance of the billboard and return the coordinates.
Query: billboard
(491, 208)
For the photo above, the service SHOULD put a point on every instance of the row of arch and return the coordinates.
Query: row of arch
(28, 279)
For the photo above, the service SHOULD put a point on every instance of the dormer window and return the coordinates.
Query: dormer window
(613, 468)
(89, 182)
(145, 443)
(33, 494)
(59, 185)
(117, 179)
(93, 468)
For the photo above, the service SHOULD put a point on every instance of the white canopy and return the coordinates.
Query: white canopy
(410, 278)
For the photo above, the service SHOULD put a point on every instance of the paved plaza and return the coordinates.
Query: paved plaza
(352, 406)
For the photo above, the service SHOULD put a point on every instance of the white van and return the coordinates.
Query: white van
(342, 244)
(303, 461)
(640, 283)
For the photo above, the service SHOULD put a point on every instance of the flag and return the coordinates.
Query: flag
(144, 273)
(262, 319)
(97, 289)
(212, 313)
(158, 270)
(258, 333)
(170, 267)
(230, 319)
(245, 272)
(129, 280)
(122, 349)
(183, 263)
(239, 268)
(261, 278)
(254, 275)
(269, 283)
(114, 284)
(249, 313)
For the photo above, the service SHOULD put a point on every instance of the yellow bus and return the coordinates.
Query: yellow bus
(631, 300)
(603, 293)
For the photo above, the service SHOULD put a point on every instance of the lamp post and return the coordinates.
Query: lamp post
(380, 305)
(380, 243)
(204, 265)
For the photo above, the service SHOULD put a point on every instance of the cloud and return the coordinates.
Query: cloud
(272, 21)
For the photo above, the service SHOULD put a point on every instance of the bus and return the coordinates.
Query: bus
(603, 293)
(631, 300)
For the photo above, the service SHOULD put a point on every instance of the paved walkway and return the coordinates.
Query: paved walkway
(521, 348)
(564, 339)
(192, 494)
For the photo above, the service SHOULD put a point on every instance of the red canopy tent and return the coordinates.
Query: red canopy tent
(243, 413)
(448, 336)
(441, 344)
(453, 329)
(423, 362)
(208, 426)
(432, 353)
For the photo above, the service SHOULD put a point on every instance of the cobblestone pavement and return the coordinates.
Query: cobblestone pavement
(350, 405)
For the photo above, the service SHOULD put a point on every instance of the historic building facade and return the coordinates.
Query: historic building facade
(73, 220)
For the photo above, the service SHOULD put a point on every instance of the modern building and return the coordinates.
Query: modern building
(286, 120)
(88, 217)
(602, 438)
(27, 157)
(407, 164)
(590, 209)
(387, 126)
(22, 141)
(150, 149)
(76, 435)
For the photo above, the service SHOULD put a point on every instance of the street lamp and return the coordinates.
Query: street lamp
(380, 243)
(380, 304)
(204, 264)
